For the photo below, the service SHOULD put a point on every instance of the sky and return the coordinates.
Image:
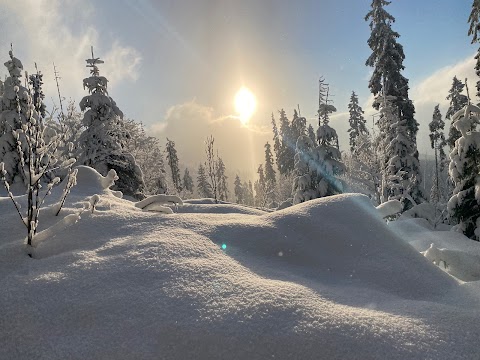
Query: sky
(175, 65)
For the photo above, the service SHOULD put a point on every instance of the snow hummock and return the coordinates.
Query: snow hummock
(389, 208)
(325, 279)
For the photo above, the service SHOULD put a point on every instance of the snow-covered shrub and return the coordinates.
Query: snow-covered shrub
(36, 155)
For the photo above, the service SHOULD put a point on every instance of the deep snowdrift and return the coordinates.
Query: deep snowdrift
(325, 279)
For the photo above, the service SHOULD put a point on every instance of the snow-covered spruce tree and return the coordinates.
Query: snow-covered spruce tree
(222, 180)
(474, 29)
(172, 159)
(357, 121)
(327, 154)
(204, 188)
(211, 166)
(103, 143)
(317, 167)
(311, 133)
(387, 81)
(270, 177)
(14, 107)
(363, 168)
(248, 191)
(464, 205)
(287, 147)
(261, 195)
(148, 154)
(276, 141)
(238, 190)
(437, 142)
(298, 127)
(304, 187)
(402, 165)
(187, 181)
(36, 156)
(457, 101)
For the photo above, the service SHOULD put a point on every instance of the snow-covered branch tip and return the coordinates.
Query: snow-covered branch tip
(156, 203)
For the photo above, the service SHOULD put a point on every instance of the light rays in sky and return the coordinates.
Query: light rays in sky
(245, 104)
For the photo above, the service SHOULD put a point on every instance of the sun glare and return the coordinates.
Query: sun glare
(245, 104)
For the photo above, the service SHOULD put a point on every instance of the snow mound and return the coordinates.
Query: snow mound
(462, 265)
(324, 279)
(202, 206)
(389, 208)
(338, 237)
(450, 250)
(424, 210)
(90, 181)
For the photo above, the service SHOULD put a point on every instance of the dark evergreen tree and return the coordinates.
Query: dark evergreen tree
(172, 160)
(187, 181)
(260, 188)
(222, 180)
(249, 197)
(287, 147)
(211, 166)
(270, 176)
(457, 101)
(474, 30)
(357, 121)
(299, 126)
(239, 190)
(437, 142)
(276, 142)
(325, 108)
(311, 133)
(203, 186)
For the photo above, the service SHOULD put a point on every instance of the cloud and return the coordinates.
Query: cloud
(47, 31)
(190, 124)
(433, 90)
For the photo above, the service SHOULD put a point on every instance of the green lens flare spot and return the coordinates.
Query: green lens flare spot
(224, 246)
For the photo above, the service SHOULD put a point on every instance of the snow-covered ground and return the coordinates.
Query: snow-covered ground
(326, 279)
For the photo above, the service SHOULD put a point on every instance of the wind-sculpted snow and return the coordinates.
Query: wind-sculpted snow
(326, 279)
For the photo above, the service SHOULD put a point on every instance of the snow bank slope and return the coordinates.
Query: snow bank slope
(307, 282)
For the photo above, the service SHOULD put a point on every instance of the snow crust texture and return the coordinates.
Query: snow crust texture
(325, 279)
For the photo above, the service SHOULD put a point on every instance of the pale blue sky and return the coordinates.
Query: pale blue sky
(203, 49)
(161, 55)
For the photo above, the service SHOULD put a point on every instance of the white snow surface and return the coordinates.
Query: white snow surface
(389, 208)
(325, 279)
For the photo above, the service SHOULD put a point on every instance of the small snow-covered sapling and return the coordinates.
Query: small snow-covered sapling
(37, 155)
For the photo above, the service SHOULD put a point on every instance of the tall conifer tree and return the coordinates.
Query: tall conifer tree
(391, 90)
(457, 101)
(357, 121)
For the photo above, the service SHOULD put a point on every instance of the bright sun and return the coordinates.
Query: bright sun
(245, 104)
